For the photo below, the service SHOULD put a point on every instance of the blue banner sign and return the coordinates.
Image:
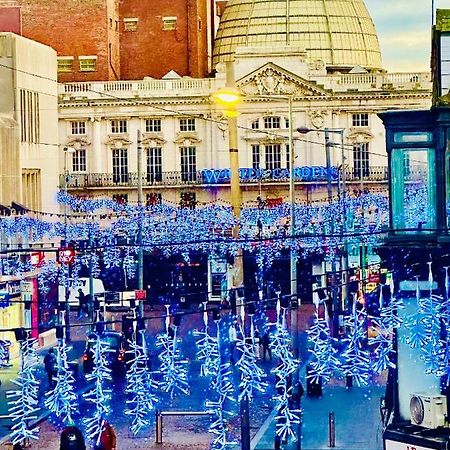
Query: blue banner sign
(306, 173)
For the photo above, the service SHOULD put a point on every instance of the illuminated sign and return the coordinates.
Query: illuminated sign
(306, 173)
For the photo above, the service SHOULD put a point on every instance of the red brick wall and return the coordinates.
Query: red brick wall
(72, 28)
(10, 19)
(152, 51)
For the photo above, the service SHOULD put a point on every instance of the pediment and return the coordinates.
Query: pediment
(187, 138)
(271, 79)
(78, 142)
(359, 136)
(117, 141)
(153, 139)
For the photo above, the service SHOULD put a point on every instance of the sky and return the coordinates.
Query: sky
(404, 31)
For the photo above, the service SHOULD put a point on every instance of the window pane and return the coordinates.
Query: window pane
(188, 164)
(154, 164)
(413, 189)
(120, 165)
(413, 136)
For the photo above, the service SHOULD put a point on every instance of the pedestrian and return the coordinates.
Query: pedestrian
(49, 365)
(232, 338)
(81, 303)
(17, 446)
(72, 439)
(107, 438)
(265, 342)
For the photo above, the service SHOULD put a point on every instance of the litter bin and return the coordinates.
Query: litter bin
(313, 387)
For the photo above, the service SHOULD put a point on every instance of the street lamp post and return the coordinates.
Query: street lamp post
(67, 266)
(140, 219)
(328, 144)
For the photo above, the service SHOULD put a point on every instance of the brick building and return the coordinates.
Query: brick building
(117, 39)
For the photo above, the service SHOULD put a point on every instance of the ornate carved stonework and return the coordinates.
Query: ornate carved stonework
(317, 64)
(317, 118)
(358, 136)
(273, 80)
(187, 138)
(80, 142)
(117, 141)
(153, 139)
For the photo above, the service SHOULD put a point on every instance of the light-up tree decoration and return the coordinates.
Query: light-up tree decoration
(99, 395)
(223, 386)
(173, 368)
(140, 386)
(356, 356)
(62, 400)
(252, 376)
(325, 362)
(207, 348)
(286, 416)
(23, 402)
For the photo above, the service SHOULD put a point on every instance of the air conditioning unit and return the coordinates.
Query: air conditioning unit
(428, 411)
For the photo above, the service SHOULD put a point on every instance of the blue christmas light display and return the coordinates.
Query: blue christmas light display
(173, 368)
(325, 363)
(356, 356)
(381, 343)
(23, 402)
(223, 386)
(140, 386)
(207, 348)
(252, 376)
(62, 400)
(286, 416)
(99, 395)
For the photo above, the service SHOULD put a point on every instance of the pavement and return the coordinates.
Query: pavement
(356, 409)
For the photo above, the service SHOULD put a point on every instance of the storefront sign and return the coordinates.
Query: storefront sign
(4, 299)
(306, 173)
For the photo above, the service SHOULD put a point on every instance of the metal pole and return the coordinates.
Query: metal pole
(245, 423)
(91, 281)
(344, 226)
(140, 212)
(159, 427)
(335, 304)
(67, 266)
(294, 304)
(331, 429)
(236, 194)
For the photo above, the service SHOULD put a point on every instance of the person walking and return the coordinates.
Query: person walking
(265, 342)
(107, 438)
(49, 365)
(81, 303)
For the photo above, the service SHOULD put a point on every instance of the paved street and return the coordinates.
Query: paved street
(355, 409)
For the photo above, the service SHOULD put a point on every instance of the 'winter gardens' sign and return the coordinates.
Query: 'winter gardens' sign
(306, 173)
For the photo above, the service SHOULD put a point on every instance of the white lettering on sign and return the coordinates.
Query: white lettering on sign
(26, 287)
(393, 445)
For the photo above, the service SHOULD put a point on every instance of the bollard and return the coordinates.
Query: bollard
(331, 430)
(159, 426)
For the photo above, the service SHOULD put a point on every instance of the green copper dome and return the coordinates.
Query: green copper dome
(339, 32)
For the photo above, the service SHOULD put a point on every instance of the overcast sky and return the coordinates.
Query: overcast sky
(404, 30)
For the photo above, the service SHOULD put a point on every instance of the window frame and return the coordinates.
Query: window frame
(87, 63)
(78, 127)
(154, 164)
(119, 126)
(360, 119)
(188, 163)
(153, 129)
(120, 165)
(187, 124)
(79, 160)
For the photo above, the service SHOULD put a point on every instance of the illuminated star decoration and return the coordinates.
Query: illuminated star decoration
(252, 376)
(99, 395)
(356, 356)
(286, 417)
(223, 387)
(140, 386)
(207, 348)
(324, 362)
(62, 400)
(23, 402)
(173, 368)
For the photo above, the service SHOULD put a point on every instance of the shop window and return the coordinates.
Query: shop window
(188, 200)
(153, 199)
(120, 198)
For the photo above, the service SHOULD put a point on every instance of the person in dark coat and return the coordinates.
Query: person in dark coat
(49, 365)
(82, 304)
(265, 342)
(72, 439)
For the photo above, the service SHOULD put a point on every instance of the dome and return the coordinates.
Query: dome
(339, 32)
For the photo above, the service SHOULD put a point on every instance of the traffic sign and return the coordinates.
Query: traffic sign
(26, 287)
